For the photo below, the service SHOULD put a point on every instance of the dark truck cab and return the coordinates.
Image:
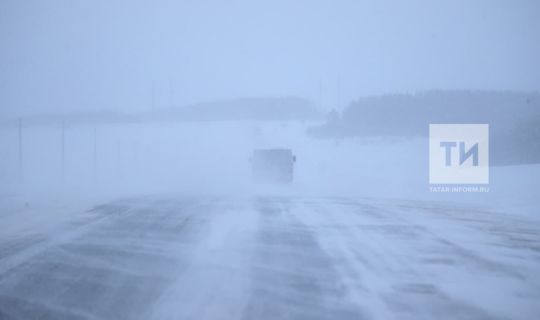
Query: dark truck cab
(273, 165)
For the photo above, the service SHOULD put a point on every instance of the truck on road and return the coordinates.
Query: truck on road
(273, 165)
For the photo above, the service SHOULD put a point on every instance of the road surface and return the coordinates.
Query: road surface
(274, 258)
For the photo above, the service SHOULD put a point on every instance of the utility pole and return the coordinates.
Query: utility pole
(153, 95)
(338, 94)
(20, 150)
(63, 148)
(118, 160)
(95, 153)
(171, 92)
(320, 94)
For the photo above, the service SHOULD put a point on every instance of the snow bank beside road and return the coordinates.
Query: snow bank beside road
(397, 168)
(213, 158)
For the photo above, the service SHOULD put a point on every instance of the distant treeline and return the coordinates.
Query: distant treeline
(514, 119)
(257, 108)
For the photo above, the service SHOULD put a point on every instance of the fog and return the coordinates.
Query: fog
(129, 185)
(70, 56)
(151, 78)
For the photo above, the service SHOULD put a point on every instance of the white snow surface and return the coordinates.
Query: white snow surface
(213, 158)
(169, 225)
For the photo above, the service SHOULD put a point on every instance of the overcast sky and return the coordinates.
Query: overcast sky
(65, 55)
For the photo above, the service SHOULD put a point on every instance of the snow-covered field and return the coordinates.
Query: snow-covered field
(213, 158)
(166, 223)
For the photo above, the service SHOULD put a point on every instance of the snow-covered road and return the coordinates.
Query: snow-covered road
(274, 258)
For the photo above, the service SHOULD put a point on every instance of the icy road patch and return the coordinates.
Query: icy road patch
(273, 258)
